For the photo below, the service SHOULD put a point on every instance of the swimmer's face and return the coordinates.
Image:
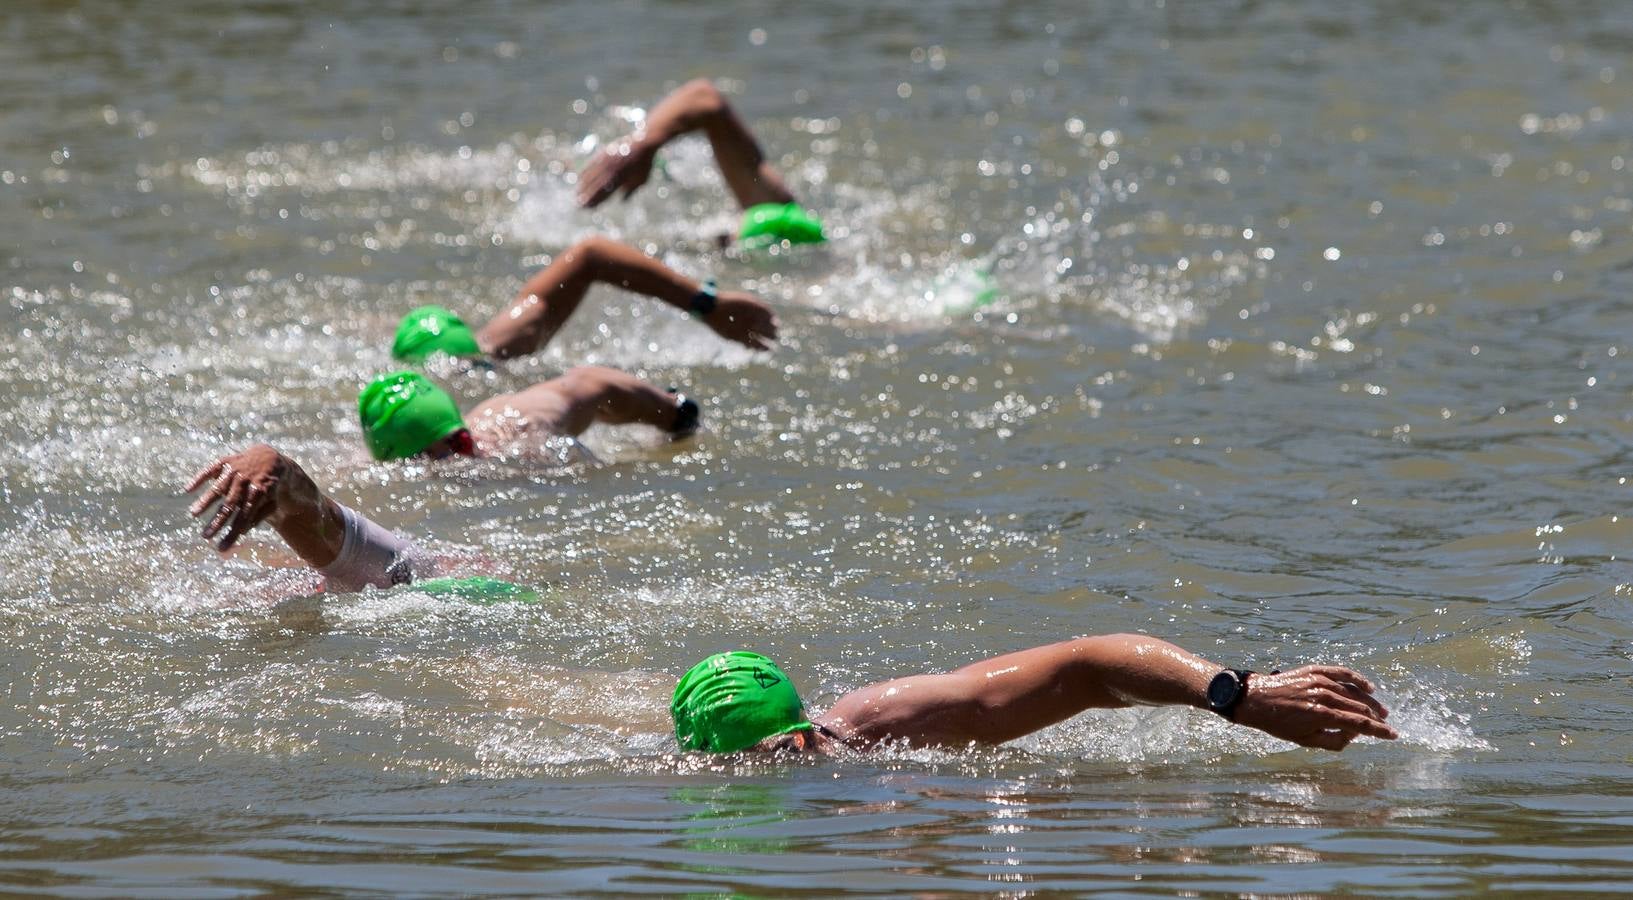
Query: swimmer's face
(460, 443)
(794, 742)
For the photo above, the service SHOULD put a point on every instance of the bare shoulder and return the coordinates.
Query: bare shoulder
(540, 403)
(493, 406)
(540, 408)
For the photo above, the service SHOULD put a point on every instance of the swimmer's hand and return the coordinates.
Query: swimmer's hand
(252, 486)
(743, 318)
(623, 165)
(1314, 706)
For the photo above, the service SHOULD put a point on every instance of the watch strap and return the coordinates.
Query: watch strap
(1226, 706)
(686, 415)
(703, 302)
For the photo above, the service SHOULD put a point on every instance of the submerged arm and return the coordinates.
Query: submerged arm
(1008, 696)
(550, 297)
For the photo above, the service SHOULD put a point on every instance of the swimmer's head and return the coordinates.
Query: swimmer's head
(433, 329)
(733, 701)
(772, 223)
(404, 414)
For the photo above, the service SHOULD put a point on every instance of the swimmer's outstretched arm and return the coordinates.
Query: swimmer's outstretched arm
(1018, 693)
(554, 292)
(259, 485)
(625, 165)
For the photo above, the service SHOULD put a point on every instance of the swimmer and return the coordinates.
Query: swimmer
(404, 415)
(742, 701)
(771, 214)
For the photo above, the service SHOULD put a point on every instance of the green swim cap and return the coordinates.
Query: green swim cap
(770, 223)
(477, 589)
(403, 413)
(732, 701)
(432, 329)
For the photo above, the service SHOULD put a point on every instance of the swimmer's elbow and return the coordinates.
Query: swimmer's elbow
(590, 254)
(702, 97)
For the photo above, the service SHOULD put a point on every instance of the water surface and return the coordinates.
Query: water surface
(1309, 347)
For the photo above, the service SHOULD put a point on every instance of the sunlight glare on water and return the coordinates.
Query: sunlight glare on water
(1289, 333)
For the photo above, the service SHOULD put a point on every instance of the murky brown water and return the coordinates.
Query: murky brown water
(1310, 347)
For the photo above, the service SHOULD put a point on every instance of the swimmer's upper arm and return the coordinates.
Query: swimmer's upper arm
(922, 710)
(315, 531)
(988, 702)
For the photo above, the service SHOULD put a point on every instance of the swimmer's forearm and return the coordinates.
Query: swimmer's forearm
(309, 522)
(1136, 669)
(315, 535)
(623, 266)
(1046, 684)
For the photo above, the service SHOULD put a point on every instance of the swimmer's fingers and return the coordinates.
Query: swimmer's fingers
(204, 474)
(626, 165)
(764, 332)
(745, 319)
(1335, 700)
(1358, 695)
(599, 180)
(1340, 674)
(230, 507)
(752, 341)
(256, 506)
(633, 179)
(1336, 730)
(1328, 740)
(1361, 724)
(593, 187)
(216, 492)
(240, 527)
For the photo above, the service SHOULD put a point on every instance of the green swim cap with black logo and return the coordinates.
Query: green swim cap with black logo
(433, 329)
(732, 701)
(770, 223)
(403, 413)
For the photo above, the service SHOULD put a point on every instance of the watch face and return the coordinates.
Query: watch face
(1222, 690)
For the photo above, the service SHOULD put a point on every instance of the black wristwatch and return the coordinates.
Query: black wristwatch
(1226, 690)
(704, 300)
